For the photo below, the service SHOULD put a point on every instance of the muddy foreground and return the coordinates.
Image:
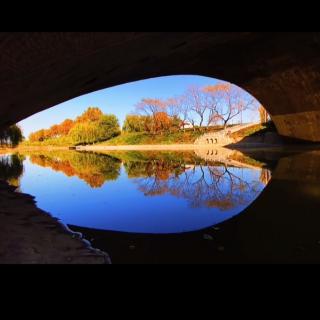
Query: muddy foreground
(29, 235)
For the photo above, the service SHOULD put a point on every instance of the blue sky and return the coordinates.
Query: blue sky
(119, 100)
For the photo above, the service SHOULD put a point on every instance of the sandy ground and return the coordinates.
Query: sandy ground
(29, 235)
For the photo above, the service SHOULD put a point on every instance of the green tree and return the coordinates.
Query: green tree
(84, 133)
(11, 137)
(92, 126)
(134, 123)
(91, 132)
(108, 127)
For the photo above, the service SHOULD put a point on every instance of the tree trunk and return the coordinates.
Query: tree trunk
(225, 127)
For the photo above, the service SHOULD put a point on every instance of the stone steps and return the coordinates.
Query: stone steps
(221, 138)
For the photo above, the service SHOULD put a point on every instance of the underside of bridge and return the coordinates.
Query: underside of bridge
(282, 69)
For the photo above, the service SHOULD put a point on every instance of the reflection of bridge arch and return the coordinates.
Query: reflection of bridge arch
(40, 70)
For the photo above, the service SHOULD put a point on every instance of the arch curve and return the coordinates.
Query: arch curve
(282, 70)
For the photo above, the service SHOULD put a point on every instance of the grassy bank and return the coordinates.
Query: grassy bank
(57, 142)
(187, 137)
(254, 131)
(141, 138)
(181, 137)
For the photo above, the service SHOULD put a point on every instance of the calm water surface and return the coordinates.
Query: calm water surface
(139, 192)
(179, 206)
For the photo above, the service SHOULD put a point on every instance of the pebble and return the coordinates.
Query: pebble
(207, 237)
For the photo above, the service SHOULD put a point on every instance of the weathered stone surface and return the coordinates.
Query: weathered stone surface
(282, 69)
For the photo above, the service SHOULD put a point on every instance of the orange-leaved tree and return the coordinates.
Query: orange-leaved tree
(156, 110)
(90, 115)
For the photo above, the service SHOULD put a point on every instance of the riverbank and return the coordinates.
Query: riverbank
(31, 148)
(170, 147)
(181, 140)
(29, 235)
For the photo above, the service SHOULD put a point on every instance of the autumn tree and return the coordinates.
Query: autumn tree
(154, 109)
(177, 113)
(184, 110)
(173, 107)
(162, 122)
(65, 127)
(54, 131)
(90, 132)
(90, 115)
(84, 133)
(227, 102)
(109, 127)
(196, 101)
(135, 123)
(90, 127)
(151, 107)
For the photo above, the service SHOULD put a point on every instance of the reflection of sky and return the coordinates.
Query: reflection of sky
(120, 206)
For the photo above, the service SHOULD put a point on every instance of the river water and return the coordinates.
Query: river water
(206, 206)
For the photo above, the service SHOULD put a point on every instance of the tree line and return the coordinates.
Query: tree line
(198, 108)
(90, 127)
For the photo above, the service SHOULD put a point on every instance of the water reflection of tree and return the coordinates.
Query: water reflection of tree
(94, 169)
(215, 185)
(11, 169)
(202, 184)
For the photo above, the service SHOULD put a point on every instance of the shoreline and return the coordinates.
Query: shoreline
(29, 235)
(167, 147)
(145, 147)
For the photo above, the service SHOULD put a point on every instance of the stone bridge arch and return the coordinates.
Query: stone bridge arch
(282, 69)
